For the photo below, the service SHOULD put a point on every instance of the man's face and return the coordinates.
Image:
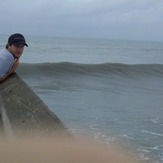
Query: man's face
(16, 50)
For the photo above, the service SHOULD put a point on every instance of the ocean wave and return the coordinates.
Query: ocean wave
(68, 68)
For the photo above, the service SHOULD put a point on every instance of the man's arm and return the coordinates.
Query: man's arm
(11, 71)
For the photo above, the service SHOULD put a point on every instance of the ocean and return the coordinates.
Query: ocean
(109, 90)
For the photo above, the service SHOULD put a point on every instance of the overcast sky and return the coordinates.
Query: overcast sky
(111, 19)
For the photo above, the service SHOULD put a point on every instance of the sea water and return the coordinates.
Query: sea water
(111, 90)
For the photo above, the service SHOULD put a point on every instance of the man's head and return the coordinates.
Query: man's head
(17, 39)
(15, 45)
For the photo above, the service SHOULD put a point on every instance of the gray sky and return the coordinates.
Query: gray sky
(112, 19)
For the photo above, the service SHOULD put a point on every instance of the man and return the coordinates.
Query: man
(9, 57)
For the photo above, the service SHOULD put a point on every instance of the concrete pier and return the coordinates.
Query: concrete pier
(24, 113)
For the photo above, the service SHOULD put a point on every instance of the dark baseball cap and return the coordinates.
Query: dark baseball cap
(17, 39)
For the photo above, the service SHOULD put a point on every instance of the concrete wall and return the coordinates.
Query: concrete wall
(24, 113)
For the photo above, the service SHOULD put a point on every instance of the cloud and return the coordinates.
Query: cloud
(84, 18)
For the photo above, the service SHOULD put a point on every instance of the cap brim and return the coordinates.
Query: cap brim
(26, 44)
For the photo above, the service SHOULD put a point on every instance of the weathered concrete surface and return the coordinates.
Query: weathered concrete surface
(23, 112)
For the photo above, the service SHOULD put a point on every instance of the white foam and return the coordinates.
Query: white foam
(152, 133)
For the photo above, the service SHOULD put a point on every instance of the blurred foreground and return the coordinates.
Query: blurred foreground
(60, 151)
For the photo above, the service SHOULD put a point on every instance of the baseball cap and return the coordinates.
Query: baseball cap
(17, 39)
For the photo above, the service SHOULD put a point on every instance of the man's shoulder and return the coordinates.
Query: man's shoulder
(5, 53)
(2, 51)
